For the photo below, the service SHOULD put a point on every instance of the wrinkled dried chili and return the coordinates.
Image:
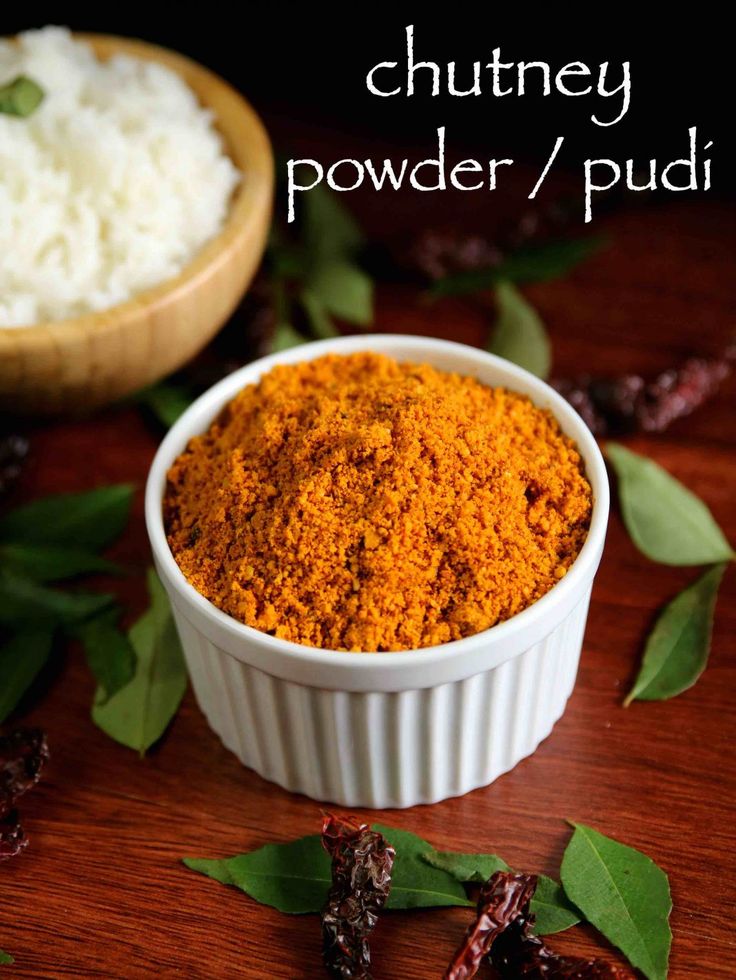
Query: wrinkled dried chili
(436, 254)
(22, 756)
(12, 835)
(502, 899)
(13, 451)
(362, 862)
(503, 933)
(629, 403)
(519, 954)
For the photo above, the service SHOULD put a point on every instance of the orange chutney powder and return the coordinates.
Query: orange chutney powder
(357, 503)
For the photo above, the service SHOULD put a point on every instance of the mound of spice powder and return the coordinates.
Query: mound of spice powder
(358, 503)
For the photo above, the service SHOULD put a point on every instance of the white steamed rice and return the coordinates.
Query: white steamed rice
(113, 184)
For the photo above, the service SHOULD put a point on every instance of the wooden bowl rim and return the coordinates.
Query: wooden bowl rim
(245, 206)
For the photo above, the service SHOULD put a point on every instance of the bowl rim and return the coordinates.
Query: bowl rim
(283, 656)
(241, 212)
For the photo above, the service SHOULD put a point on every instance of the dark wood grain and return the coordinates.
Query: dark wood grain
(101, 891)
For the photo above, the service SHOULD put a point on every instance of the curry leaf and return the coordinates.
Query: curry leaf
(667, 522)
(414, 884)
(295, 877)
(23, 601)
(552, 260)
(20, 97)
(538, 263)
(320, 320)
(49, 563)
(321, 271)
(292, 878)
(285, 261)
(5, 958)
(343, 289)
(622, 893)
(138, 714)
(167, 401)
(109, 653)
(285, 336)
(88, 520)
(519, 334)
(551, 907)
(21, 659)
(475, 868)
(329, 229)
(677, 648)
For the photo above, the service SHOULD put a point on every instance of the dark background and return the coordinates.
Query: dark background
(308, 63)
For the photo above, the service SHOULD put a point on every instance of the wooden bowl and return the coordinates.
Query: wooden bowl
(78, 364)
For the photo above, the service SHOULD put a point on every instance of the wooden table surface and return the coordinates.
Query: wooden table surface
(101, 891)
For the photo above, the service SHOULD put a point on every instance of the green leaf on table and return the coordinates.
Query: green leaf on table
(24, 601)
(468, 868)
(285, 337)
(20, 97)
(138, 714)
(320, 321)
(538, 263)
(550, 905)
(553, 909)
(286, 261)
(343, 289)
(50, 563)
(622, 893)
(87, 520)
(293, 877)
(666, 521)
(677, 649)
(414, 883)
(551, 260)
(5, 958)
(328, 228)
(167, 401)
(21, 659)
(322, 264)
(519, 334)
(109, 652)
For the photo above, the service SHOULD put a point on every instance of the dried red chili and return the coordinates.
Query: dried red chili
(679, 392)
(519, 955)
(433, 253)
(629, 403)
(12, 836)
(502, 899)
(503, 933)
(13, 451)
(362, 861)
(22, 756)
(436, 254)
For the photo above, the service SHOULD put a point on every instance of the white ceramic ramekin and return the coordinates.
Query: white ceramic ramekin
(384, 729)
